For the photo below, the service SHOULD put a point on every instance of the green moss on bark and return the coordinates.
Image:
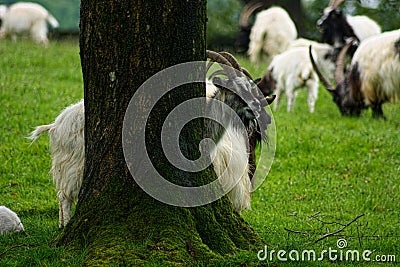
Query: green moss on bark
(135, 230)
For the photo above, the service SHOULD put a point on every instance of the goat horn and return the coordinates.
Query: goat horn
(324, 81)
(235, 64)
(247, 73)
(224, 63)
(331, 3)
(247, 10)
(337, 3)
(339, 71)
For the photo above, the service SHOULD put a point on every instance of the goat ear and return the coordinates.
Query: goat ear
(270, 99)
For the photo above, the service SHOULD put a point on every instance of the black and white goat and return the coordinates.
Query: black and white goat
(232, 143)
(337, 27)
(67, 137)
(372, 78)
(243, 38)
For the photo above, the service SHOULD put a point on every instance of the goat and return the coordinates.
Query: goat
(248, 103)
(292, 70)
(243, 38)
(9, 221)
(27, 17)
(372, 78)
(67, 139)
(67, 149)
(272, 33)
(337, 27)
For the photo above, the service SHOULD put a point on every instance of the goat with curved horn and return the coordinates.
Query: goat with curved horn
(336, 26)
(241, 95)
(247, 11)
(371, 79)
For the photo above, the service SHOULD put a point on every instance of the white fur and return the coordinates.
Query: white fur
(271, 34)
(363, 27)
(9, 221)
(292, 70)
(67, 149)
(230, 161)
(29, 18)
(3, 10)
(211, 89)
(379, 66)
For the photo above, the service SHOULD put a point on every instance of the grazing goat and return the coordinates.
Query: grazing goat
(243, 38)
(372, 78)
(67, 149)
(292, 70)
(67, 138)
(337, 28)
(272, 33)
(22, 17)
(9, 221)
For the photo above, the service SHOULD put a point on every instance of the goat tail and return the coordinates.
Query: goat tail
(53, 22)
(38, 131)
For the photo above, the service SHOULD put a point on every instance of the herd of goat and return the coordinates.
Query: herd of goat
(371, 78)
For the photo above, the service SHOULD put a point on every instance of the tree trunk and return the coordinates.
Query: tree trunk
(123, 43)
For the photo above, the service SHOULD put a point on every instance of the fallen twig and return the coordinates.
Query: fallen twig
(339, 230)
(296, 232)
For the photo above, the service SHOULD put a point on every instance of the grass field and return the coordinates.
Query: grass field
(328, 169)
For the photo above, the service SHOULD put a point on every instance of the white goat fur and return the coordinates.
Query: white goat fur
(67, 149)
(68, 155)
(9, 221)
(21, 17)
(230, 158)
(292, 70)
(379, 66)
(271, 34)
(3, 11)
(363, 27)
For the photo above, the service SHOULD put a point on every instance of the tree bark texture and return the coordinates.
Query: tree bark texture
(123, 43)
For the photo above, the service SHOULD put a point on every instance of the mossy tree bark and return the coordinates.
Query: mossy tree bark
(123, 43)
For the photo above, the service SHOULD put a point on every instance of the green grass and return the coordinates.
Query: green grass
(327, 168)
